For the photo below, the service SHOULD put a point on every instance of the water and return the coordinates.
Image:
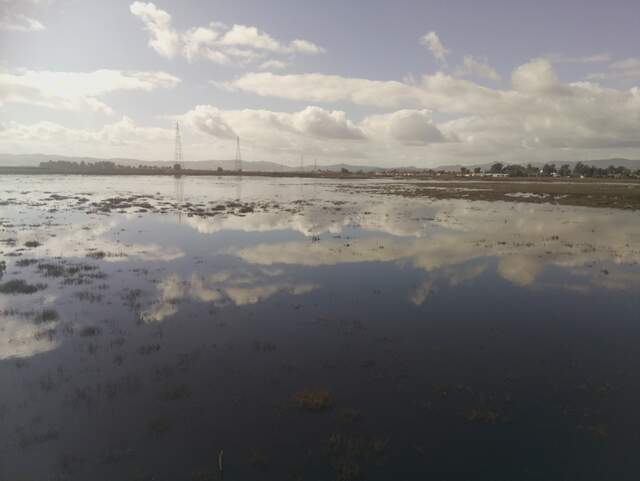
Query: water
(453, 340)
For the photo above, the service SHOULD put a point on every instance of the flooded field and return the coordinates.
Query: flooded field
(300, 329)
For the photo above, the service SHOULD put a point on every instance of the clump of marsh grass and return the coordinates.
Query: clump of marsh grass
(315, 400)
(47, 315)
(176, 393)
(19, 286)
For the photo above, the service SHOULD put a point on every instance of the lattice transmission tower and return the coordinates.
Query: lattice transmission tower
(238, 155)
(177, 155)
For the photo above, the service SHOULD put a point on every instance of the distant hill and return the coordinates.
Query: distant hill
(33, 160)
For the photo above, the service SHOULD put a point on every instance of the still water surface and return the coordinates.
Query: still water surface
(173, 319)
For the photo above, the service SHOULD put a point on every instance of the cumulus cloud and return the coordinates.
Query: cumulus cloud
(322, 123)
(539, 113)
(162, 37)
(411, 127)
(208, 119)
(218, 43)
(259, 125)
(472, 66)
(122, 138)
(76, 90)
(435, 46)
(437, 92)
(537, 76)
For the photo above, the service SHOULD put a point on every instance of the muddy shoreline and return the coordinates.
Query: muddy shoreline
(590, 193)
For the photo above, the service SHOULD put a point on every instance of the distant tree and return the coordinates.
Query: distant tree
(565, 170)
(549, 169)
(514, 170)
(464, 170)
(344, 170)
(219, 169)
(477, 170)
(497, 168)
(581, 169)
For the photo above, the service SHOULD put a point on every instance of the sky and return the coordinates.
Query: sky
(366, 82)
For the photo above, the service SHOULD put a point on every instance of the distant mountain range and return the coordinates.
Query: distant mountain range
(31, 160)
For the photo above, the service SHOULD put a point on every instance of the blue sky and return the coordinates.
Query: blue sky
(369, 82)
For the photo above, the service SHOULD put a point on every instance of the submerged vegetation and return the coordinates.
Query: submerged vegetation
(19, 286)
(315, 400)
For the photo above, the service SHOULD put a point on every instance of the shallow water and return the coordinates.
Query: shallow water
(458, 340)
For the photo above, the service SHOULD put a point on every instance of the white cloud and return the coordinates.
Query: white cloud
(322, 123)
(163, 38)
(273, 65)
(594, 58)
(18, 15)
(208, 119)
(536, 76)
(240, 44)
(435, 46)
(472, 66)
(76, 90)
(410, 127)
(438, 92)
(627, 70)
(273, 128)
(117, 139)
(537, 116)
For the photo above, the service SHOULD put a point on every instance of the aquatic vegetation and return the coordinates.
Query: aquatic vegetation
(148, 349)
(485, 416)
(205, 475)
(176, 393)
(35, 438)
(89, 331)
(348, 470)
(52, 270)
(32, 243)
(26, 262)
(313, 400)
(19, 286)
(348, 452)
(357, 447)
(158, 426)
(600, 432)
(445, 389)
(258, 459)
(264, 346)
(88, 296)
(47, 315)
(349, 416)
(97, 254)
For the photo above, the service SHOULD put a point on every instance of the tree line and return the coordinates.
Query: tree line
(550, 170)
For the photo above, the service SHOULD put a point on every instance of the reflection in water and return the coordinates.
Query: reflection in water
(179, 192)
(380, 338)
